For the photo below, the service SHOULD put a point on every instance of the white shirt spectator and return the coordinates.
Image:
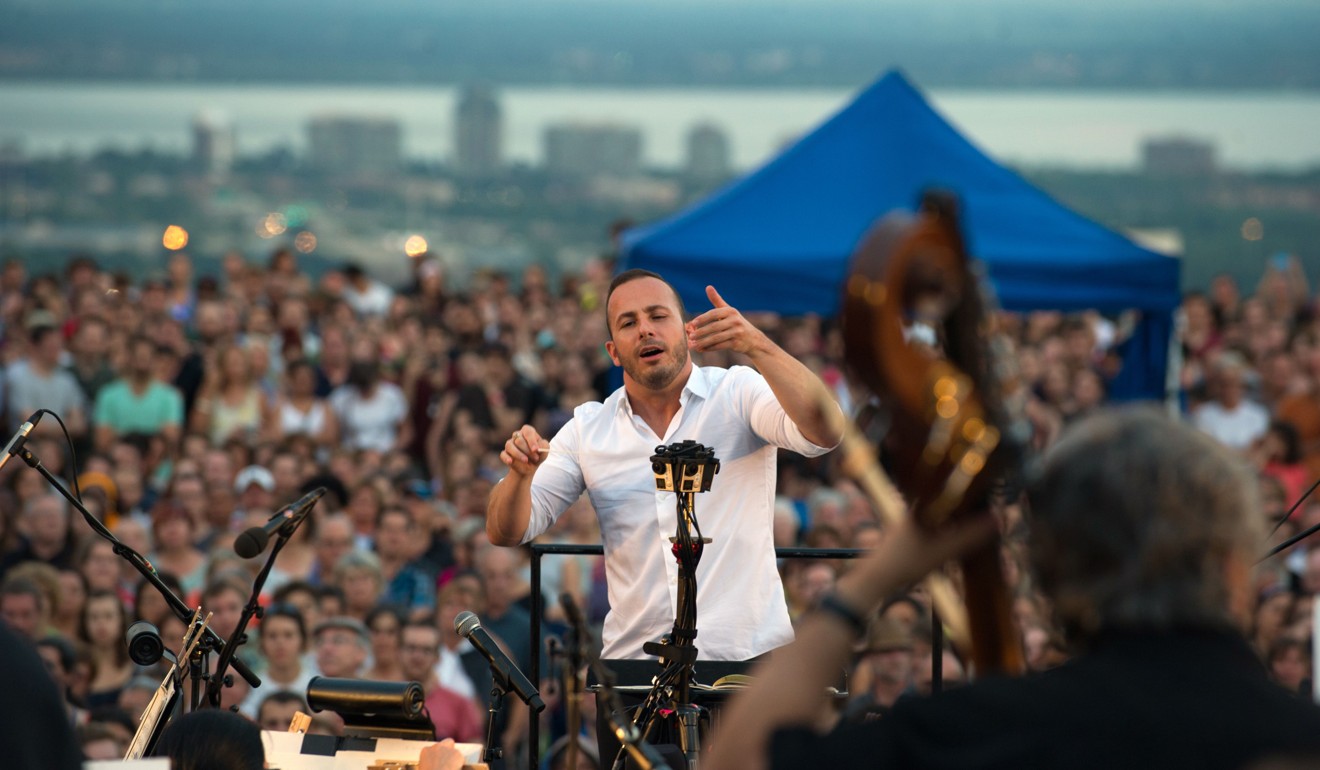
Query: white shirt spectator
(27, 390)
(605, 449)
(370, 423)
(373, 300)
(1235, 427)
(449, 673)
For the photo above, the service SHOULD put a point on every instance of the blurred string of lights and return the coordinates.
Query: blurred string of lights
(276, 223)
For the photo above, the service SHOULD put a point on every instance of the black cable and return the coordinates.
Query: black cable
(73, 453)
(1294, 507)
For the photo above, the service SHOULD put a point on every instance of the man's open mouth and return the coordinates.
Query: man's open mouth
(650, 351)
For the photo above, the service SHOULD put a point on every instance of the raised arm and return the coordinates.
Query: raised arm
(798, 390)
(789, 689)
(510, 507)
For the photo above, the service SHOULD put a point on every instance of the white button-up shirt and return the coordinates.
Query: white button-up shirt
(606, 449)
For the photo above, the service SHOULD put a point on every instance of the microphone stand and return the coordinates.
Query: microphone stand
(251, 609)
(683, 468)
(499, 688)
(576, 657)
(210, 640)
(632, 740)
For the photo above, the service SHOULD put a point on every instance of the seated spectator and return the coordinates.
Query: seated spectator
(884, 672)
(174, 533)
(60, 657)
(358, 575)
(38, 381)
(300, 412)
(455, 715)
(1230, 417)
(407, 585)
(384, 625)
(278, 709)
(138, 402)
(104, 622)
(342, 644)
(372, 413)
(99, 742)
(46, 523)
(231, 402)
(24, 608)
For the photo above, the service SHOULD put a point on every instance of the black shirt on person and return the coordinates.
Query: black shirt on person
(35, 732)
(1137, 700)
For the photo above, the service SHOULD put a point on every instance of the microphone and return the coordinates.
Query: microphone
(20, 438)
(469, 627)
(254, 539)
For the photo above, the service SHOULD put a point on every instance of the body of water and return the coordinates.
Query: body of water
(1096, 129)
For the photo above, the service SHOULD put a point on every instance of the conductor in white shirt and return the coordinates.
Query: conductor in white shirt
(744, 414)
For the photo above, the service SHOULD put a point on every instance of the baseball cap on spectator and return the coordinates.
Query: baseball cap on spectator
(345, 622)
(254, 474)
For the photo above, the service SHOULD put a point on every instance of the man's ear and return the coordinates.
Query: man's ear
(609, 348)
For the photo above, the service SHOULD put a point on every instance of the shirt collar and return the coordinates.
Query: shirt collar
(698, 385)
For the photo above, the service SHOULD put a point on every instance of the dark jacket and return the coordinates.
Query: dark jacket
(1188, 699)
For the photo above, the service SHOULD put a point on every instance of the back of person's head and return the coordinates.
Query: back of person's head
(1141, 522)
(212, 739)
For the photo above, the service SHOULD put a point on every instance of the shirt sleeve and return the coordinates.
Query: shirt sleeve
(173, 406)
(558, 482)
(768, 418)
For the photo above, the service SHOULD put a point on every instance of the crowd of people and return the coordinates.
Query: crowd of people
(199, 405)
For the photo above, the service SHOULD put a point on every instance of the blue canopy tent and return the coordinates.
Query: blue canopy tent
(780, 238)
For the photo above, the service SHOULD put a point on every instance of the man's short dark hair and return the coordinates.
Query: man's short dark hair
(280, 697)
(61, 645)
(23, 586)
(628, 276)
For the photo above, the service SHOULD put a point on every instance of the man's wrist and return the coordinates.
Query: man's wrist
(833, 606)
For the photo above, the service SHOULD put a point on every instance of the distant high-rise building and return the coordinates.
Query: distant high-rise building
(214, 143)
(479, 133)
(355, 145)
(1178, 156)
(707, 152)
(593, 150)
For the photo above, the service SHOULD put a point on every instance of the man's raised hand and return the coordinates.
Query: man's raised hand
(723, 328)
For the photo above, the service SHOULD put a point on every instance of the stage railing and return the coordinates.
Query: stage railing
(538, 610)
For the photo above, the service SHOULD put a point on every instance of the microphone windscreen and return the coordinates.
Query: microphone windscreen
(465, 623)
(251, 542)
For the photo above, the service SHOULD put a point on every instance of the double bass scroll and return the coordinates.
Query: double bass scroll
(950, 438)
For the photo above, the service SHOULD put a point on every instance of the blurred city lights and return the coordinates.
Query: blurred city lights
(1253, 230)
(305, 242)
(415, 246)
(175, 238)
(274, 224)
